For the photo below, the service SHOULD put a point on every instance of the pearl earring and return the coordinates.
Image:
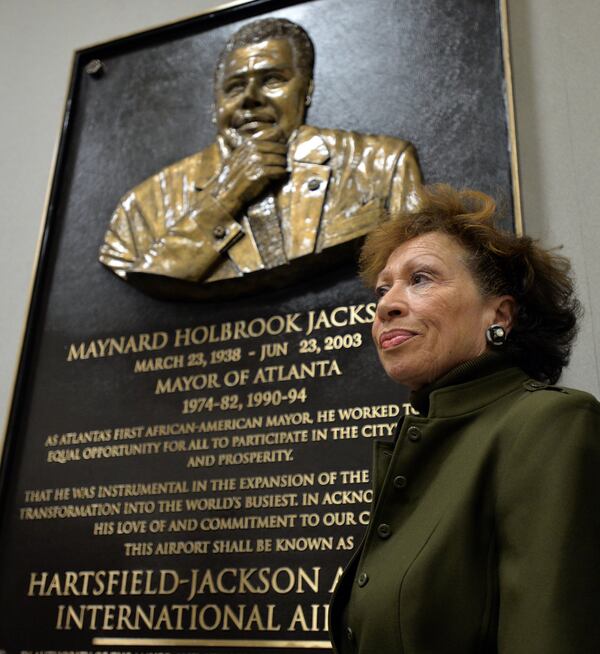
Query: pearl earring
(495, 335)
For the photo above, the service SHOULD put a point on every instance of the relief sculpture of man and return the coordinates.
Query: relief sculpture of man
(271, 192)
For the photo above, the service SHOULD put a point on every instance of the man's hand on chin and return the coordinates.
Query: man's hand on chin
(258, 160)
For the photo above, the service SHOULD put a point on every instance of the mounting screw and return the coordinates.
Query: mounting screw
(95, 68)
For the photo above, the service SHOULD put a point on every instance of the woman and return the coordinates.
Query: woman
(485, 526)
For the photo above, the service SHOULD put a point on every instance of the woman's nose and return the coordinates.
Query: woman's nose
(392, 304)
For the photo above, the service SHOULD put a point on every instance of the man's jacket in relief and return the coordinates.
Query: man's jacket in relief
(339, 187)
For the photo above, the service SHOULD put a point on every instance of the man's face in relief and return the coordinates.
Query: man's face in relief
(261, 90)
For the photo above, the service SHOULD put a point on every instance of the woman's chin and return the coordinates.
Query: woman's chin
(403, 376)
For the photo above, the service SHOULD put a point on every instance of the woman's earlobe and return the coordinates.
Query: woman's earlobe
(496, 335)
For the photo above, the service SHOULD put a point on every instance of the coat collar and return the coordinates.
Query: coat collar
(308, 146)
(469, 386)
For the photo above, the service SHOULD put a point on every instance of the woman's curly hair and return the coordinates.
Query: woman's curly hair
(502, 263)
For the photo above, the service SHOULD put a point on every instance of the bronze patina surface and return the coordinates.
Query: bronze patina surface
(271, 190)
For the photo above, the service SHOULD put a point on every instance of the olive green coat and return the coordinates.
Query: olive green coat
(485, 530)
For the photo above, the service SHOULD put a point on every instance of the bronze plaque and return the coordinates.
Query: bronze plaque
(188, 455)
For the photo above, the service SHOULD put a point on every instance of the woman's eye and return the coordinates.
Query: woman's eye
(380, 291)
(419, 278)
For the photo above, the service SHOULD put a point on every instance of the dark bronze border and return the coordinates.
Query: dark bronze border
(220, 14)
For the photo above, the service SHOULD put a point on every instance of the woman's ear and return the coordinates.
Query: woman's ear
(506, 309)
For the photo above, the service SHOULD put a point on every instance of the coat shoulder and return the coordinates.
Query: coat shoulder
(337, 139)
(549, 421)
(556, 399)
(198, 168)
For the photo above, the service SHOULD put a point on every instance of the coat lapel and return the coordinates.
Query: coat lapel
(308, 180)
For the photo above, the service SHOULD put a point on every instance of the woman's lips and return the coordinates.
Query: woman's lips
(394, 338)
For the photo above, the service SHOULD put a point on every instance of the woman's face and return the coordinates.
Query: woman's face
(430, 314)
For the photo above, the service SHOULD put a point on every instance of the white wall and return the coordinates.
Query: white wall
(555, 53)
(556, 75)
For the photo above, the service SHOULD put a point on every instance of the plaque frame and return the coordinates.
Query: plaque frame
(85, 53)
(228, 12)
